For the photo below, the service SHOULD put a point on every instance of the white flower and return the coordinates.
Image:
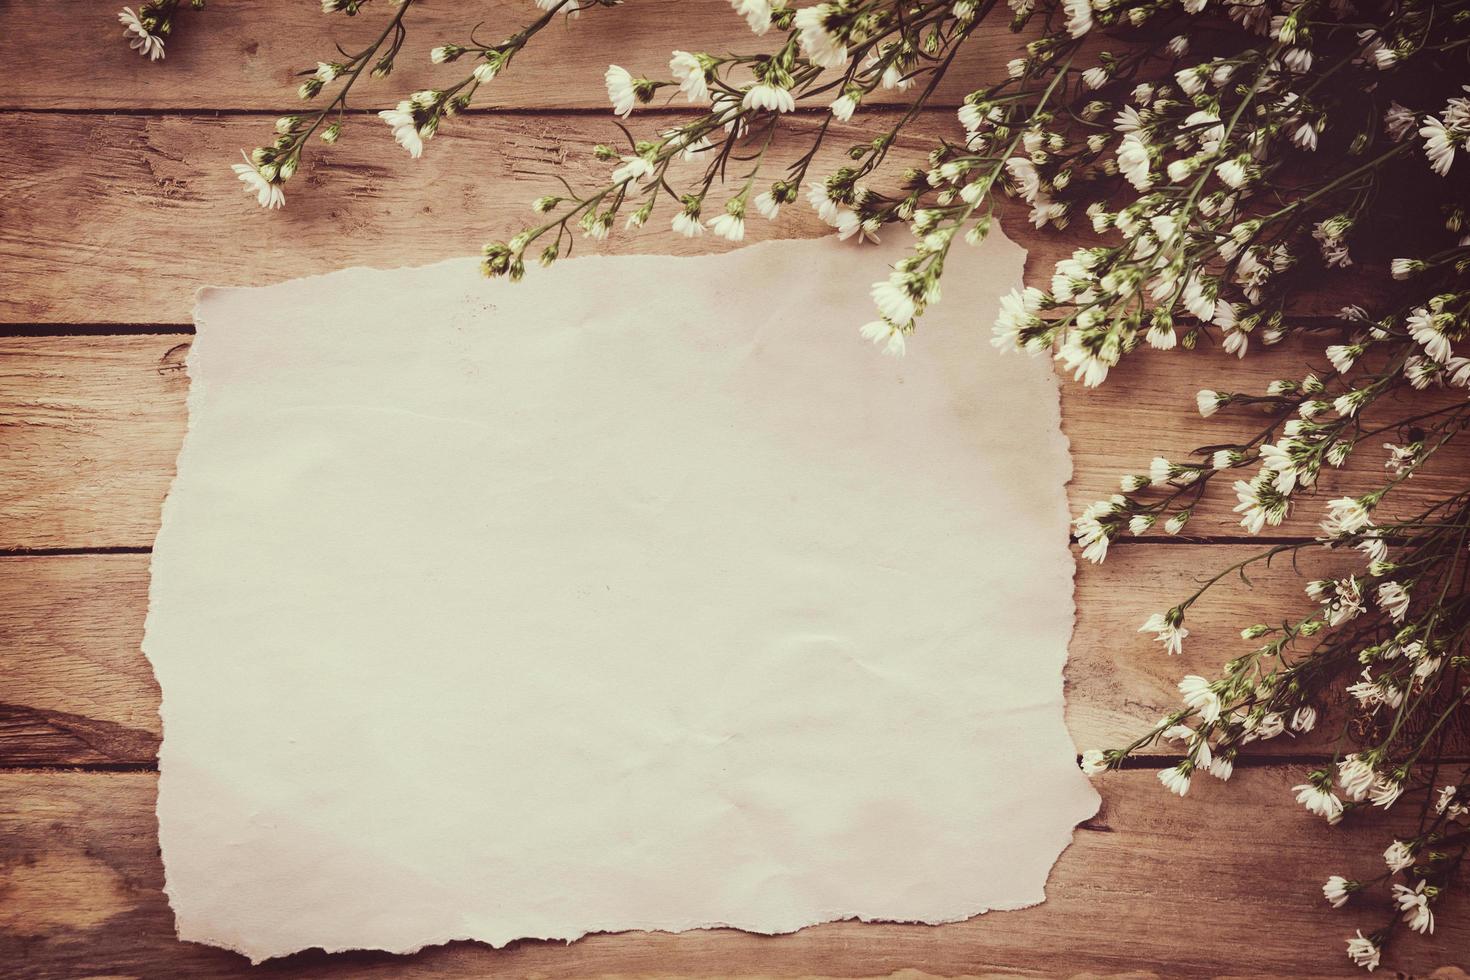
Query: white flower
(620, 90)
(687, 224)
(1394, 600)
(1397, 121)
(1439, 145)
(1199, 297)
(1260, 504)
(1092, 534)
(1018, 310)
(1336, 890)
(1208, 401)
(1342, 356)
(1297, 60)
(1346, 515)
(1207, 128)
(1197, 695)
(1269, 726)
(1095, 77)
(1170, 633)
(268, 193)
(728, 226)
(1404, 268)
(1222, 767)
(894, 299)
(1368, 692)
(1424, 328)
(843, 107)
(850, 225)
(757, 13)
(1398, 856)
(1028, 181)
(1079, 16)
(632, 168)
(1304, 719)
(1232, 173)
(767, 205)
(1133, 161)
(764, 95)
(883, 332)
(1094, 762)
(1324, 803)
(1179, 170)
(1345, 602)
(1085, 363)
(1128, 120)
(1191, 80)
(1363, 952)
(140, 40)
(688, 71)
(1445, 803)
(405, 129)
(1356, 776)
(821, 47)
(1375, 548)
(1176, 778)
(827, 209)
(1414, 903)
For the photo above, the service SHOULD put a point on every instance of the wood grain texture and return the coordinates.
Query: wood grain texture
(119, 219)
(1150, 884)
(114, 220)
(78, 690)
(92, 426)
(247, 55)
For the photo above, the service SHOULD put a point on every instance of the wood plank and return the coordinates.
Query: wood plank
(1180, 887)
(244, 56)
(92, 426)
(119, 219)
(79, 692)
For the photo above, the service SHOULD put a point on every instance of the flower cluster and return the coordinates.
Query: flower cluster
(413, 121)
(148, 26)
(1221, 170)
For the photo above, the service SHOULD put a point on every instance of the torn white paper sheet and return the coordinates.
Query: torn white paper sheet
(643, 594)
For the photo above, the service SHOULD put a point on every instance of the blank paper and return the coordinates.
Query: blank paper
(642, 594)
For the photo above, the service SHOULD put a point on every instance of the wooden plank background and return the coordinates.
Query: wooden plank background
(117, 203)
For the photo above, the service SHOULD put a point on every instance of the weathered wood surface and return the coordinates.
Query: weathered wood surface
(1189, 887)
(247, 55)
(76, 690)
(112, 219)
(92, 426)
(118, 203)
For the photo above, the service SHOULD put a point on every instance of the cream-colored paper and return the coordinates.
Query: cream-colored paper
(642, 594)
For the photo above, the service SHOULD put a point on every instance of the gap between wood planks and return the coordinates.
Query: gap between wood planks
(875, 112)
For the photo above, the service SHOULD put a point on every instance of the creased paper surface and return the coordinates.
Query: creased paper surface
(642, 594)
